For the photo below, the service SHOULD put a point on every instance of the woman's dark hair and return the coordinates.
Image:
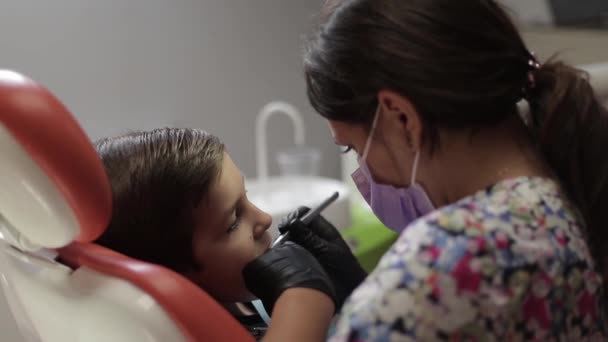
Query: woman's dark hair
(463, 65)
(158, 178)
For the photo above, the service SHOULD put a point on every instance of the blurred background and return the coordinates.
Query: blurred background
(213, 64)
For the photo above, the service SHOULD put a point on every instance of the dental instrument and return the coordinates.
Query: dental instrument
(308, 217)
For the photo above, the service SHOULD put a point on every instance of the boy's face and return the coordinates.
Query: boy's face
(230, 233)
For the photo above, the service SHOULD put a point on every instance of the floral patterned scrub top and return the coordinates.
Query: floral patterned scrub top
(508, 263)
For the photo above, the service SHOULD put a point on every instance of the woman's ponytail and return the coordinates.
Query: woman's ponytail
(572, 131)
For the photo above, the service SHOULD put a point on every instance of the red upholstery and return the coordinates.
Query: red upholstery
(59, 146)
(198, 315)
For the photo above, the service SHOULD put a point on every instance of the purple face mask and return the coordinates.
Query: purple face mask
(395, 207)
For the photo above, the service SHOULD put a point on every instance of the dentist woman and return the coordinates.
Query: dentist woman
(503, 218)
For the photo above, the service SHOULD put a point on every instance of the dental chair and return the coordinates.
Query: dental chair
(54, 200)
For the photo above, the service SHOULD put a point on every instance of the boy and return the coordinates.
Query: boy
(180, 202)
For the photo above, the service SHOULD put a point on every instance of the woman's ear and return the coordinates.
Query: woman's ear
(400, 112)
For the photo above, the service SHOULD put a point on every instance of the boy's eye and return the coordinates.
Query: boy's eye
(234, 225)
(347, 149)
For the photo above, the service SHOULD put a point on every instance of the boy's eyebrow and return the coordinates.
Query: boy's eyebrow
(232, 207)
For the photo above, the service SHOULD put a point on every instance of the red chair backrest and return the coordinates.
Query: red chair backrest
(47, 138)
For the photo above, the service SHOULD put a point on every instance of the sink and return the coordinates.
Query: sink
(279, 196)
(298, 187)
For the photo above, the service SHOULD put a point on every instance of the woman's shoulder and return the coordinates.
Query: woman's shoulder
(522, 218)
(481, 252)
(519, 225)
(527, 203)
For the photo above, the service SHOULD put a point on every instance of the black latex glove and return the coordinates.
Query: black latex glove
(282, 267)
(324, 241)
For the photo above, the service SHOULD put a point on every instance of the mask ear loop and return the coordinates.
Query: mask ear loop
(415, 168)
(368, 143)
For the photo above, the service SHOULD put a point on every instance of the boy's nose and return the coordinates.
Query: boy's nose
(264, 221)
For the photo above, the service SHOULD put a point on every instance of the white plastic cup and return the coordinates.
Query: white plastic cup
(299, 161)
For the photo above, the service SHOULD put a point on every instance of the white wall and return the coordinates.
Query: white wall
(137, 64)
(533, 12)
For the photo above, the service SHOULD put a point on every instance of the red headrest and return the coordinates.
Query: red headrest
(54, 191)
(45, 133)
(199, 317)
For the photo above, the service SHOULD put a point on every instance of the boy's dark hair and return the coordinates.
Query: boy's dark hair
(158, 178)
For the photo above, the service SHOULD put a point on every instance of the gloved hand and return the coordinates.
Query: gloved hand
(282, 267)
(324, 241)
